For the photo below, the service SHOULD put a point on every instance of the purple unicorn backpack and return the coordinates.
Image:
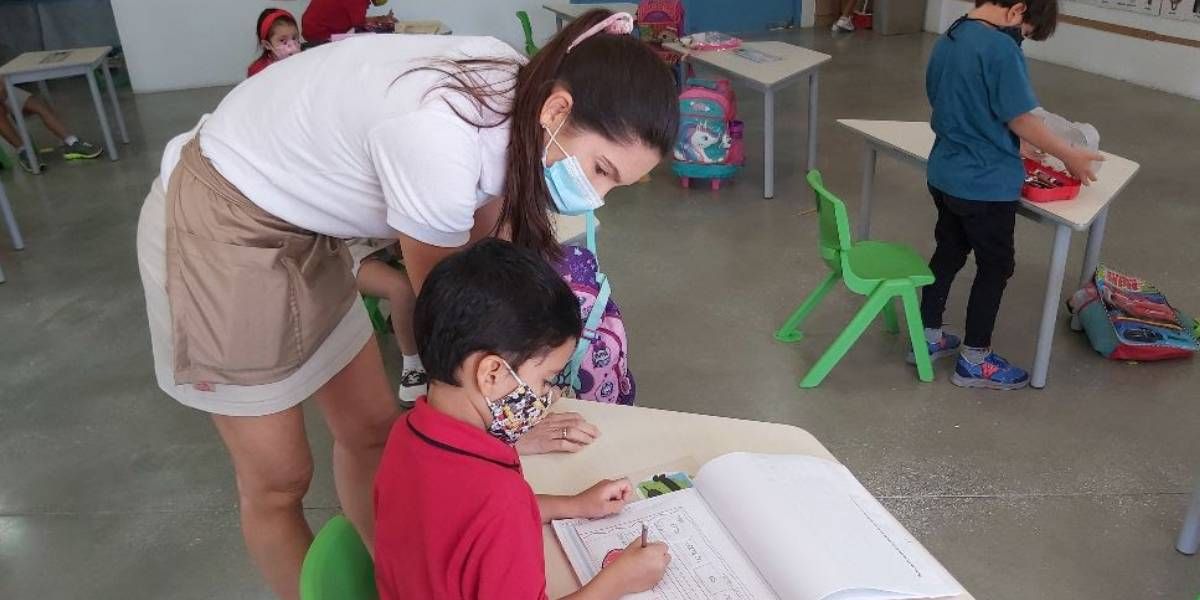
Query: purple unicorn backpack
(599, 368)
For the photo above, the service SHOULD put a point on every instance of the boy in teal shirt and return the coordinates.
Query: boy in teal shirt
(981, 97)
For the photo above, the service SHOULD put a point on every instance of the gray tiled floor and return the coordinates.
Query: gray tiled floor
(110, 490)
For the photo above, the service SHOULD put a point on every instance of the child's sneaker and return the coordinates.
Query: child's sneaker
(947, 346)
(25, 164)
(994, 373)
(843, 24)
(81, 150)
(413, 385)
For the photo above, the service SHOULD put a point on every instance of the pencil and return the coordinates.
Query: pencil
(643, 535)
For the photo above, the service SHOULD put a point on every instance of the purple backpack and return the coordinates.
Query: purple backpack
(599, 368)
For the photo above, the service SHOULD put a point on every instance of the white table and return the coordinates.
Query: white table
(637, 440)
(10, 220)
(565, 11)
(912, 141)
(795, 62)
(56, 64)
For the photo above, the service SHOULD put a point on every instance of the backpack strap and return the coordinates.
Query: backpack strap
(591, 235)
(590, 332)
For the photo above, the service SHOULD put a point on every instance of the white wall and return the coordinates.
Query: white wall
(179, 44)
(1159, 65)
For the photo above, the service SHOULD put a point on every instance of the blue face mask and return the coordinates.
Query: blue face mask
(573, 194)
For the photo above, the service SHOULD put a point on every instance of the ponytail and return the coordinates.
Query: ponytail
(621, 90)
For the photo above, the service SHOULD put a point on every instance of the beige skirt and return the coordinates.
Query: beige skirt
(348, 336)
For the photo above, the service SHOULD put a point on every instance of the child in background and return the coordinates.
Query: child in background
(454, 516)
(324, 18)
(72, 149)
(376, 277)
(279, 37)
(981, 96)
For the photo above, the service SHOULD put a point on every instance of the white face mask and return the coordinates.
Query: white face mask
(569, 186)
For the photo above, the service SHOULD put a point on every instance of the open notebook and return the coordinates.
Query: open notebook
(767, 526)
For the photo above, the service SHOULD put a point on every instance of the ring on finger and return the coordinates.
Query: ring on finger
(563, 434)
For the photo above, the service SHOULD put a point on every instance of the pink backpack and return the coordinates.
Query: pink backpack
(660, 20)
(709, 142)
(599, 368)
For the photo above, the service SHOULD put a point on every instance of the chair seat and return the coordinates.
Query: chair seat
(876, 262)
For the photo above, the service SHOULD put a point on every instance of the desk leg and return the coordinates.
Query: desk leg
(1091, 256)
(868, 184)
(1054, 281)
(769, 144)
(112, 96)
(108, 138)
(812, 120)
(44, 91)
(10, 220)
(22, 131)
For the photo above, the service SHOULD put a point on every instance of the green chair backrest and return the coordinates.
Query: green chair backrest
(337, 566)
(530, 47)
(834, 223)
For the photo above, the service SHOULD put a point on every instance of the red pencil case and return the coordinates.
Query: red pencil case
(1067, 188)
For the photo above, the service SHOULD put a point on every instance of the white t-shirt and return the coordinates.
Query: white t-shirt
(335, 140)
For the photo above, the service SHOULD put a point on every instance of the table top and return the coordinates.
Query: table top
(49, 60)
(637, 440)
(793, 62)
(914, 139)
(573, 11)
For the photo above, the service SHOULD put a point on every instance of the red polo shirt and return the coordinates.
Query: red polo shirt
(454, 517)
(324, 18)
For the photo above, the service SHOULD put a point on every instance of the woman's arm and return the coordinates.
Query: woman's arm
(486, 219)
(420, 258)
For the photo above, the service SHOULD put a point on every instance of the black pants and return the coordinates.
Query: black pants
(964, 226)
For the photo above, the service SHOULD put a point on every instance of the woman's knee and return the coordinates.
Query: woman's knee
(278, 487)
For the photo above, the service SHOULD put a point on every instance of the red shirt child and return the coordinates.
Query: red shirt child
(279, 37)
(324, 18)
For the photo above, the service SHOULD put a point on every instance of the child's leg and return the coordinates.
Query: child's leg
(377, 279)
(8, 130)
(948, 258)
(37, 106)
(991, 231)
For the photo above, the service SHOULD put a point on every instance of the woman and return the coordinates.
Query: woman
(435, 141)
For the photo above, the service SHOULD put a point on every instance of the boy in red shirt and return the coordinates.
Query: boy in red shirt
(324, 18)
(454, 517)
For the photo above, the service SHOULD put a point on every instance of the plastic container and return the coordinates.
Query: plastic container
(1068, 189)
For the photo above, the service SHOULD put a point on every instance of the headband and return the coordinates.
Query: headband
(617, 24)
(265, 29)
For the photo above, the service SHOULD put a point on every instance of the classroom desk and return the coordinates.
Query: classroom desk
(768, 78)
(911, 142)
(565, 11)
(56, 64)
(10, 220)
(634, 440)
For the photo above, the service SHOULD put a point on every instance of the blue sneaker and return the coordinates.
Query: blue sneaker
(994, 373)
(947, 346)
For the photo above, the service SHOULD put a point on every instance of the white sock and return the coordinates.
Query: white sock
(413, 363)
(70, 139)
(975, 355)
(932, 335)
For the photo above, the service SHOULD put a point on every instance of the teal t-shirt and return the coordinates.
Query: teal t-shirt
(977, 82)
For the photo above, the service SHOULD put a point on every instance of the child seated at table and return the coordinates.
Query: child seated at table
(278, 36)
(73, 148)
(454, 516)
(325, 18)
(982, 100)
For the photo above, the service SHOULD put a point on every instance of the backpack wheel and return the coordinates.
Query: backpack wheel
(684, 181)
(716, 185)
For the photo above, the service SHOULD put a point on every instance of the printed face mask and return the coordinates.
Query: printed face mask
(518, 411)
(573, 194)
(285, 49)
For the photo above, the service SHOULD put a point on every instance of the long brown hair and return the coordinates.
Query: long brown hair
(620, 88)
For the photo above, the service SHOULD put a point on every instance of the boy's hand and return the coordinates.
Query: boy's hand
(638, 569)
(1030, 151)
(605, 498)
(1079, 164)
(548, 435)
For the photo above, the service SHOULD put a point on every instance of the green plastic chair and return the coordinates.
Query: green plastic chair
(878, 270)
(337, 566)
(530, 47)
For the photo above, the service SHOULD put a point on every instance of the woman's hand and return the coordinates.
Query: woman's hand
(558, 432)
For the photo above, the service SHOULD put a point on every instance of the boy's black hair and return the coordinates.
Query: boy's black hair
(492, 297)
(1041, 14)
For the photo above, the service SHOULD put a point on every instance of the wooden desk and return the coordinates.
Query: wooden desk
(565, 11)
(636, 439)
(56, 64)
(912, 141)
(767, 77)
